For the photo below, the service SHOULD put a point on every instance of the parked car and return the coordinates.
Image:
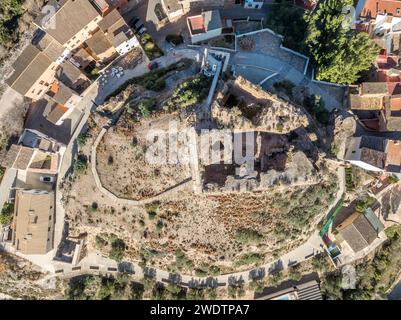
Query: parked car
(47, 179)
(141, 31)
(133, 21)
(138, 26)
(153, 65)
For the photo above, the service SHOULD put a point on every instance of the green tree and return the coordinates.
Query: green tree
(6, 215)
(117, 249)
(340, 53)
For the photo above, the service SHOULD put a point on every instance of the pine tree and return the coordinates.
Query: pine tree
(339, 53)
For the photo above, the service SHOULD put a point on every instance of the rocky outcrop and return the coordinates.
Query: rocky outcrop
(255, 109)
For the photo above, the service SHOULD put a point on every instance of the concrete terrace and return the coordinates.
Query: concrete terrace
(269, 62)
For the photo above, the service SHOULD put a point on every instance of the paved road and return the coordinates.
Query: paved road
(93, 263)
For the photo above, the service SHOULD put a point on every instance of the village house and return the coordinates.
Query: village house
(370, 9)
(63, 100)
(205, 26)
(34, 153)
(374, 154)
(381, 20)
(33, 223)
(307, 288)
(38, 65)
(118, 33)
(355, 231)
(72, 24)
(377, 105)
(34, 70)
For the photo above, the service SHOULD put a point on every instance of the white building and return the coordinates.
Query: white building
(205, 26)
(374, 154)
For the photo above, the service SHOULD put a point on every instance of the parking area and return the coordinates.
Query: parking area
(147, 13)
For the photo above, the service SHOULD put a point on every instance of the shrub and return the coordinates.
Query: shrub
(257, 285)
(284, 86)
(146, 255)
(149, 78)
(393, 179)
(94, 206)
(295, 273)
(110, 160)
(214, 270)
(201, 272)
(315, 106)
(320, 262)
(150, 48)
(80, 165)
(151, 215)
(100, 242)
(362, 204)
(2, 171)
(275, 279)
(137, 291)
(117, 249)
(249, 258)
(146, 107)
(349, 179)
(182, 261)
(81, 139)
(189, 93)
(6, 215)
(248, 236)
(159, 225)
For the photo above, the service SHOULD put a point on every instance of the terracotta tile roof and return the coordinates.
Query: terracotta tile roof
(386, 62)
(394, 88)
(370, 8)
(395, 104)
(393, 153)
(196, 24)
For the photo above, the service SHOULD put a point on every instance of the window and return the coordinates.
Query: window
(48, 229)
(398, 10)
(50, 218)
(41, 82)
